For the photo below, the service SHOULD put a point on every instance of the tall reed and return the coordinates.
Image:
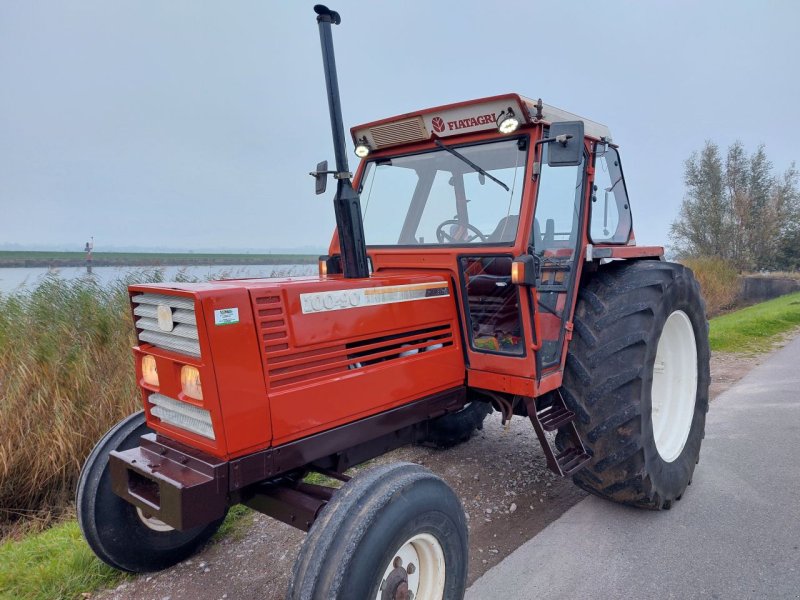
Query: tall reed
(718, 280)
(66, 377)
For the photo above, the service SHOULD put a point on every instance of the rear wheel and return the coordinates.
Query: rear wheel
(120, 534)
(637, 376)
(390, 532)
(452, 429)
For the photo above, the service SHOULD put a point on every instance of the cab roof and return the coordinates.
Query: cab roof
(465, 117)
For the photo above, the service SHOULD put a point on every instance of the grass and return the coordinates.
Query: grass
(755, 328)
(57, 564)
(52, 565)
(10, 258)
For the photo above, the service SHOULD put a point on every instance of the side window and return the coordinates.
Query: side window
(558, 203)
(610, 211)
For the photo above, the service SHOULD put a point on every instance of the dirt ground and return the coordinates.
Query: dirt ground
(501, 476)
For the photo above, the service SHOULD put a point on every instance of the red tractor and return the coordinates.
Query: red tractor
(484, 257)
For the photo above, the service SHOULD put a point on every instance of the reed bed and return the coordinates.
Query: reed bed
(718, 280)
(66, 377)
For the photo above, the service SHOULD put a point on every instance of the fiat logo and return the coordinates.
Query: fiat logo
(438, 124)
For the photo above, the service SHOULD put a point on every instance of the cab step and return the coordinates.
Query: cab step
(557, 417)
(554, 417)
(571, 460)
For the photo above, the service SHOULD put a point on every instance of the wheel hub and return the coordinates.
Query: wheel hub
(417, 571)
(395, 586)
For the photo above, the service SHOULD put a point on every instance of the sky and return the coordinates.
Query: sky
(194, 124)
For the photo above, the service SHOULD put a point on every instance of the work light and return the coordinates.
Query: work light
(507, 122)
(362, 148)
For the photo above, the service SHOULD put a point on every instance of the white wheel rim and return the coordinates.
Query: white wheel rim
(674, 386)
(426, 579)
(152, 522)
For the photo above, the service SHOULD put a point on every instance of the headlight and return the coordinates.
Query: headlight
(149, 370)
(190, 382)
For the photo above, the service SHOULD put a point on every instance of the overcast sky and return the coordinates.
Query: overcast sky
(187, 124)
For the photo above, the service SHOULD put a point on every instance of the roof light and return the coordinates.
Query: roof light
(507, 122)
(362, 148)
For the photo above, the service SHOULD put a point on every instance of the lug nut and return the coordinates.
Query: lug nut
(411, 568)
(398, 562)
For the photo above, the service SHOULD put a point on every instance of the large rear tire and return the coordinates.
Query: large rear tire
(392, 529)
(118, 533)
(455, 428)
(637, 376)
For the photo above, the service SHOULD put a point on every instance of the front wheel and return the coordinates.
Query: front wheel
(120, 534)
(395, 531)
(637, 377)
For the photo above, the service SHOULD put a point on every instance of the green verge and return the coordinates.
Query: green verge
(53, 564)
(755, 328)
(57, 564)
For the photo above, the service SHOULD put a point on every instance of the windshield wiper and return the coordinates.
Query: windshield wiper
(460, 156)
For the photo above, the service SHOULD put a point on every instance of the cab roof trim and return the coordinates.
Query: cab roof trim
(465, 117)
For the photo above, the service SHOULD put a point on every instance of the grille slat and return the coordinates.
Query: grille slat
(179, 315)
(184, 331)
(168, 342)
(183, 338)
(171, 301)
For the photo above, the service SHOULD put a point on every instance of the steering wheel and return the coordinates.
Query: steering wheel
(446, 238)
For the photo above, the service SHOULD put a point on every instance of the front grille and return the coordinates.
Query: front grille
(183, 337)
(182, 415)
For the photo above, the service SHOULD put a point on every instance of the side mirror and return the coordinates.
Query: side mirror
(566, 147)
(321, 177)
(525, 270)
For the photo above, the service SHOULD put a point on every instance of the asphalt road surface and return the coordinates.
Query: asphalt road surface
(735, 533)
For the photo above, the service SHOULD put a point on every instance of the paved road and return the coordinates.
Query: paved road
(735, 533)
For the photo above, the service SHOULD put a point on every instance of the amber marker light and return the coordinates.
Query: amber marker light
(517, 272)
(190, 382)
(149, 370)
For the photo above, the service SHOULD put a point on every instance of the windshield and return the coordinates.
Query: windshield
(438, 198)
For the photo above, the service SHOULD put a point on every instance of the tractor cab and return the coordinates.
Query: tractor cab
(470, 188)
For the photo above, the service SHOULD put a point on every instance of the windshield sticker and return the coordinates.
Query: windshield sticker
(226, 316)
(344, 299)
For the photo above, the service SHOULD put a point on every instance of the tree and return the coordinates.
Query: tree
(703, 226)
(742, 213)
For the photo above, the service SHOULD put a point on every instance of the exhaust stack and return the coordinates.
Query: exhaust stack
(346, 203)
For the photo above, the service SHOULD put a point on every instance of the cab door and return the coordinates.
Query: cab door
(556, 240)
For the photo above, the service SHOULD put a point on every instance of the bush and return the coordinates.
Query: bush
(718, 280)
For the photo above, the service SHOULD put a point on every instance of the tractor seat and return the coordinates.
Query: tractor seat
(505, 231)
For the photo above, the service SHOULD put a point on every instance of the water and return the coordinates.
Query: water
(27, 278)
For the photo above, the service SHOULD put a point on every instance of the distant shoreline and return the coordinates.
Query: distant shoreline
(14, 259)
